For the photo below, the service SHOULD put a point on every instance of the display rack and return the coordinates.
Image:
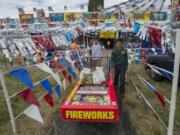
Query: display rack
(95, 111)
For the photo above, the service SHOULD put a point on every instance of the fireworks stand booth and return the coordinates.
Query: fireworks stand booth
(91, 103)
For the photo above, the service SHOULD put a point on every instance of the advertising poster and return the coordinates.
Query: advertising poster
(56, 17)
(158, 16)
(69, 16)
(26, 18)
(107, 34)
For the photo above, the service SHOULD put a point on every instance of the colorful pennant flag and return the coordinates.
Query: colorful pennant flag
(22, 75)
(69, 60)
(47, 69)
(69, 79)
(57, 78)
(47, 86)
(72, 72)
(64, 84)
(28, 96)
(64, 73)
(64, 62)
(77, 66)
(49, 99)
(161, 98)
(166, 74)
(146, 102)
(58, 90)
(58, 66)
(33, 112)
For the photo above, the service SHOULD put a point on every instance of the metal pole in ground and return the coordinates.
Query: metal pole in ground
(175, 84)
(4, 86)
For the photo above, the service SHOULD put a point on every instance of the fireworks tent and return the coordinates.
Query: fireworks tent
(46, 46)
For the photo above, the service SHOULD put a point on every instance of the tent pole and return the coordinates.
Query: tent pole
(8, 103)
(175, 84)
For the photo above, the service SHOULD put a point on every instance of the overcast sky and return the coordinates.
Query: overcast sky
(9, 8)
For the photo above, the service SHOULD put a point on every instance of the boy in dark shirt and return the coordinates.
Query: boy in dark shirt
(119, 63)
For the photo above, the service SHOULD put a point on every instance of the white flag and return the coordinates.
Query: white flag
(47, 69)
(33, 112)
(64, 84)
(67, 57)
(57, 78)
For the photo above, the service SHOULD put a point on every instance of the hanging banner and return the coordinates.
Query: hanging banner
(56, 17)
(107, 34)
(26, 18)
(138, 16)
(158, 16)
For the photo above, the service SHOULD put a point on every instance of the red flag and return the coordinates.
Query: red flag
(49, 99)
(77, 66)
(57, 65)
(151, 87)
(28, 96)
(70, 79)
(64, 73)
(52, 64)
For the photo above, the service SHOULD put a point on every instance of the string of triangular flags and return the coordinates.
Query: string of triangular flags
(152, 88)
(161, 71)
(28, 95)
(148, 105)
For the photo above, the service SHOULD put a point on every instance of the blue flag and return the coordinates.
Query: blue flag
(22, 75)
(64, 62)
(160, 97)
(72, 72)
(166, 74)
(58, 90)
(47, 86)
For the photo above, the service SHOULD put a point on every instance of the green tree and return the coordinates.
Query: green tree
(95, 5)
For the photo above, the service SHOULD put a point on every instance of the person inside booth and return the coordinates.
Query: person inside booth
(74, 45)
(96, 53)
